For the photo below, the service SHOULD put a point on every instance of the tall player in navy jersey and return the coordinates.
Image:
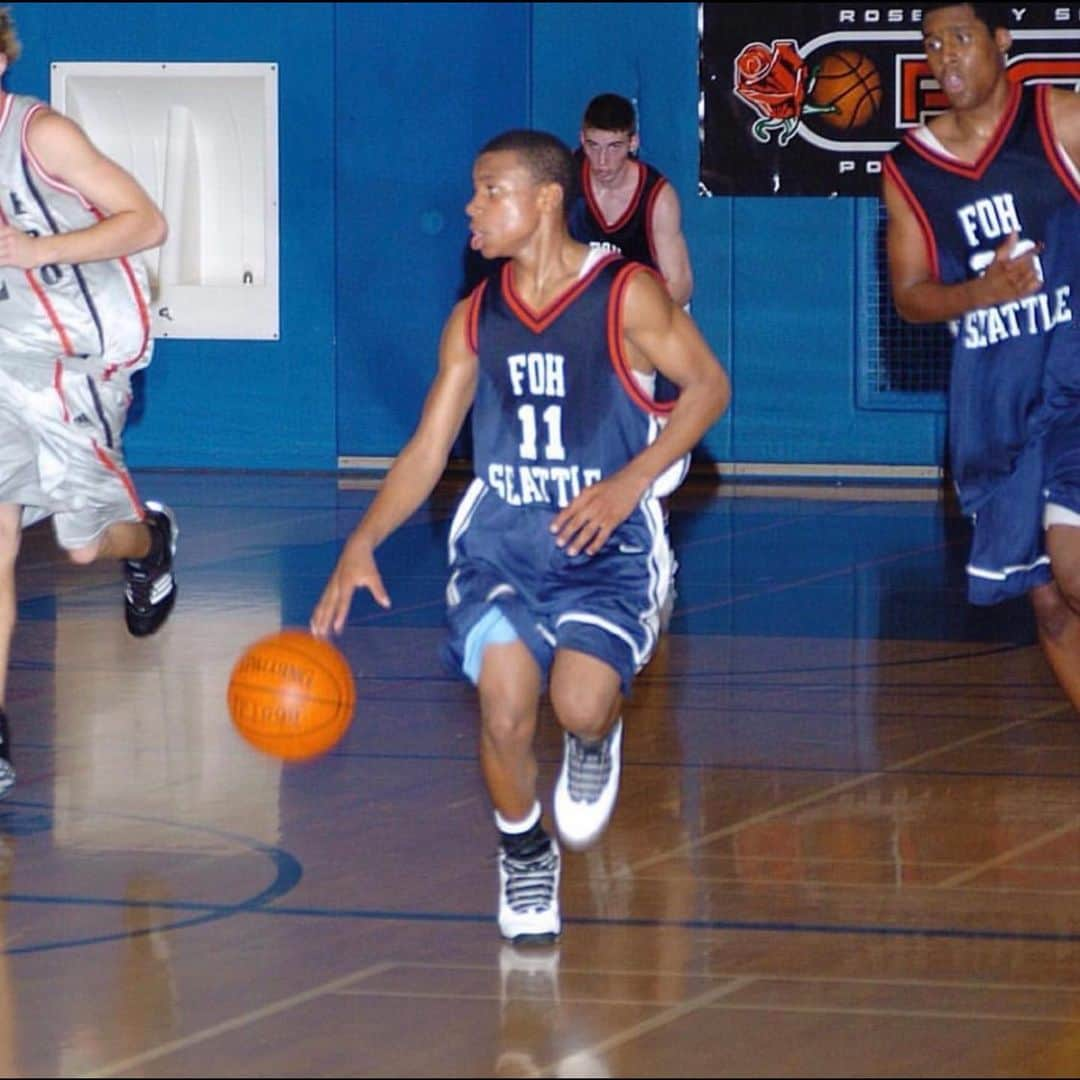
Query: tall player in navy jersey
(983, 233)
(559, 559)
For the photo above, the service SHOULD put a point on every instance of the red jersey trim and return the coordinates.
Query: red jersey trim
(975, 170)
(594, 207)
(123, 476)
(472, 318)
(1050, 147)
(40, 169)
(58, 387)
(143, 310)
(650, 207)
(893, 173)
(538, 321)
(35, 286)
(619, 360)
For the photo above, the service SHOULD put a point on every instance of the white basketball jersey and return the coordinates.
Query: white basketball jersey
(93, 316)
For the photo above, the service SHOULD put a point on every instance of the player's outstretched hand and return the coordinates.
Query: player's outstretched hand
(355, 569)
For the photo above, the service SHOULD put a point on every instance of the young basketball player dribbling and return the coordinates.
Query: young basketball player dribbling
(559, 556)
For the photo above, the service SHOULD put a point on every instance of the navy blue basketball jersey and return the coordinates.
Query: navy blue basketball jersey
(557, 406)
(1020, 184)
(631, 235)
(966, 211)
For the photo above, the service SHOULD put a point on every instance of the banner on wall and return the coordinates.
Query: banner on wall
(806, 99)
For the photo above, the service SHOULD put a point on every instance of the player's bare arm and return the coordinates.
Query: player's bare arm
(132, 221)
(671, 251)
(410, 480)
(657, 335)
(920, 297)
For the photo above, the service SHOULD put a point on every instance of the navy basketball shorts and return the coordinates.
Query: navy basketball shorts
(1062, 486)
(509, 579)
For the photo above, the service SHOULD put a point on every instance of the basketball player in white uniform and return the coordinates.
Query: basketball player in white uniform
(74, 325)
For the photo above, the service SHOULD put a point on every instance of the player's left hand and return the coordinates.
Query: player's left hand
(588, 522)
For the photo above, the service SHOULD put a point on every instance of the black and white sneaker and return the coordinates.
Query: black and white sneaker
(529, 897)
(7, 769)
(149, 588)
(587, 786)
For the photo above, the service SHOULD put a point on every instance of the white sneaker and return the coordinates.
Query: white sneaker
(529, 897)
(587, 786)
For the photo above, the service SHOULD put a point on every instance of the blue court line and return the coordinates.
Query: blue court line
(220, 911)
(289, 873)
(288, 870)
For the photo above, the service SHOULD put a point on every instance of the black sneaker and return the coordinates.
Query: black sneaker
(7, 770)
(149, 589)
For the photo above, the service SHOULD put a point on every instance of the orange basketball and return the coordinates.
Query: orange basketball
(292, 695)
(849, 85)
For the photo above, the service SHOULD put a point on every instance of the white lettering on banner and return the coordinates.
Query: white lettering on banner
(870, 167)
(879, 15)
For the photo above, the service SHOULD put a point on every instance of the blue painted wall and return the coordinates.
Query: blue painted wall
(381, 109)
(419, 88)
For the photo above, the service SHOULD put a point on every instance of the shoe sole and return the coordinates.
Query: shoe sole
(534, 940)
(143, 631)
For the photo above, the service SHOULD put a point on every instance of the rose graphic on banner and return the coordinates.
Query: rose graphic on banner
(776, 82)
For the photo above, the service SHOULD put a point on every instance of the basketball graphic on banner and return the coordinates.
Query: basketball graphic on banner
(848, 87)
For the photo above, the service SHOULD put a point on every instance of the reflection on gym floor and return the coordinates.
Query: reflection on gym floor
(847, 842)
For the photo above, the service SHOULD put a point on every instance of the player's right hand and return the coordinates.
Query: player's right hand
(355, 569)
(1013, 274)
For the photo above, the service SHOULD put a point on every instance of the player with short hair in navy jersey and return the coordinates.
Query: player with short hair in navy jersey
(559, 556)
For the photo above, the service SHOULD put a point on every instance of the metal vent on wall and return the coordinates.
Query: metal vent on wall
(900, 365)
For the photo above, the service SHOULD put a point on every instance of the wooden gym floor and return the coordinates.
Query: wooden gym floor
(847, 842)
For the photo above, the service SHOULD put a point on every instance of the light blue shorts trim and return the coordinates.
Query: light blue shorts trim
(493, 628)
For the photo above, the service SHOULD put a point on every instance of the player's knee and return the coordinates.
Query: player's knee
(505, 724)
(1070, 593)
(1052, 613)
(1063, 545)
(583, 709)
(1067, 579)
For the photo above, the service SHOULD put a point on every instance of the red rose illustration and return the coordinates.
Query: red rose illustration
(773, 81)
